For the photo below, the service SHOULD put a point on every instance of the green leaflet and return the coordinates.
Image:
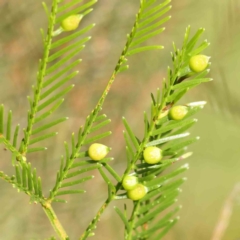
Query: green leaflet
(173, 147)
(191, 83)
(70, 192)
(160, 180)
(166, 229)
(166, 139)
(158, 210)
(123, 217)
(190, 45)
(68, 184)
(7, 133)
(76, 10)
(142, 49)
(130, 134)
(49, 125)
(97, 137)
(160, 200)
(172, 125)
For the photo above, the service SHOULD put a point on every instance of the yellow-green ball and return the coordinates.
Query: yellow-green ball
(178, 112)
(129, 182)
(198, 63)
(71, 23)
(152, 155)
(98, 151)
(137, 193)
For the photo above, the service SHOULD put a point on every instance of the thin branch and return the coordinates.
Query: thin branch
(93, 223)
(54, 221)
(226, 214)
(132, 220)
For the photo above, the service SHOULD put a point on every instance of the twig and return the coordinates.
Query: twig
(226, 213)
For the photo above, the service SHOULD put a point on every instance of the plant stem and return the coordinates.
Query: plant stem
(132, 219)
(226, 213)
(54, 221)
(93, 223)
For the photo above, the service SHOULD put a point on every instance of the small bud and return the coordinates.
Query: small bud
(98, 151)
(198, 63)
(152, 155)
(137, 193)
(129, 182)
(178, 112)
(71, 23)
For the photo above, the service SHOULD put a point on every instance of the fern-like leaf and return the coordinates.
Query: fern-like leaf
(171, 137)
(147, 25)
(56, 69)
(149, 13)
(26, 180)
(77, 163)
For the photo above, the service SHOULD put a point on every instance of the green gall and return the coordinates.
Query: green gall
(152, 155)
(98, 151)
(129, 182)
(71, 23)
(137, 193)
(198, 63)
(178, 112)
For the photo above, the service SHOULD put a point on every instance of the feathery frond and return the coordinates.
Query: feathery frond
(56, 69)
(170, 136)
(148, 13)
(26, 180)
(148, 24)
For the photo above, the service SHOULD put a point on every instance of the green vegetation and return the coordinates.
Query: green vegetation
(30, 154)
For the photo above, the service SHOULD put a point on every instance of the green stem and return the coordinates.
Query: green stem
(12, 149)
(132, 220)
(93, 223)
(54, 221)
(40, 77)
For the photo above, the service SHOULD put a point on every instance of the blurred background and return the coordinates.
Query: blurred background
(215, 165)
